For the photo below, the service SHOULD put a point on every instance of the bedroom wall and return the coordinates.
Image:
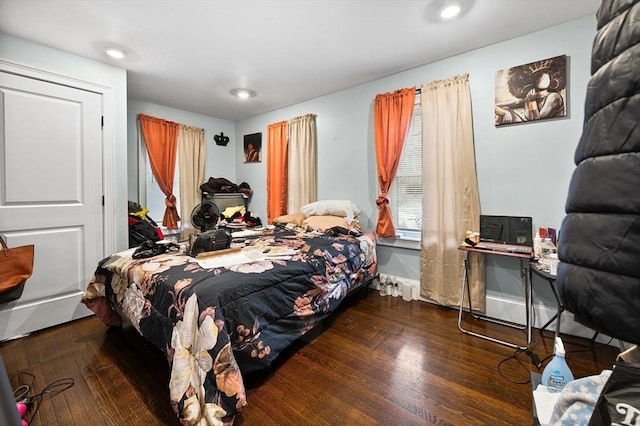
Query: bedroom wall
(221, 160)
(20, 51)
(522, 169)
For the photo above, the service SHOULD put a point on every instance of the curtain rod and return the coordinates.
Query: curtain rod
(173, 122)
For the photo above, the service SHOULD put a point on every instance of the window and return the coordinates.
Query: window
(405, 194)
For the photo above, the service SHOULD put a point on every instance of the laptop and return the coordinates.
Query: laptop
(506, 234)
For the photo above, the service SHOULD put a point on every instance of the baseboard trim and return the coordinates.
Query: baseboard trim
(20, 319)
(514, 311)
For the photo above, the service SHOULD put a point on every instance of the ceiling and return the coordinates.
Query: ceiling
(189, 54)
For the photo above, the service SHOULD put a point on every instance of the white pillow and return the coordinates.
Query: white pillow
(342, 208)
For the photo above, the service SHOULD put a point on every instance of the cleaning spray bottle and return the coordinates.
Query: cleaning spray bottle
(557, 373)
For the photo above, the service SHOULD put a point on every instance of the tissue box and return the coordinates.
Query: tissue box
(544, 401)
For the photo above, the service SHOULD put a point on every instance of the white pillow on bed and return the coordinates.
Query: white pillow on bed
(341, 208)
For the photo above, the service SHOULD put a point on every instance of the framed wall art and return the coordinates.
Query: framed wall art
(252, 148)
(531, 92)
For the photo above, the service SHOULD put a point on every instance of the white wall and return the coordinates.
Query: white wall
(221, 160)
(37, 56)
(522, 169)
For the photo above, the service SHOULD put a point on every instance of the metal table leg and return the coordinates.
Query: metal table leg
(560, 308)
(524, 275)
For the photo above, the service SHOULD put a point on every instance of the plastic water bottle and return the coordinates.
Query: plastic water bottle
(537, 246)
(557, 373)
(553, 264)
(547, 249)
(383, 288)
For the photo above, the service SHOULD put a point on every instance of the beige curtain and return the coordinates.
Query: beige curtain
(302, 162)
(450, 202)
(191, 159)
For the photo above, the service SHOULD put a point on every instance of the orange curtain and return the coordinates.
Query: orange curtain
(161, 139)
(392, 114)
(277, 170)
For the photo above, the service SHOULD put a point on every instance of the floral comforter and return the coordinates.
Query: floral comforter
(215, 323)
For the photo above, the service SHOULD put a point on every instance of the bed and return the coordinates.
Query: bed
(222, 316)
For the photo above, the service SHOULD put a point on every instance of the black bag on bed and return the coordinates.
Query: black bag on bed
(216, 239)
(153, 248)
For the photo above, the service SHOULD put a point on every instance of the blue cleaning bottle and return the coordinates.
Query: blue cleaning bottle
(557, 373)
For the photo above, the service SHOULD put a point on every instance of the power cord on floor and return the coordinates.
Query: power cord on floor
(534, 360)
(21, 393)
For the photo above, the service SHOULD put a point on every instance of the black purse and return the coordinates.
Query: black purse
(150, 248)
(216, 239)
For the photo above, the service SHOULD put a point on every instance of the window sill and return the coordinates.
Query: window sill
(407, 243)
(172, 235)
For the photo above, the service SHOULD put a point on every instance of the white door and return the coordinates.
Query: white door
(50, 196)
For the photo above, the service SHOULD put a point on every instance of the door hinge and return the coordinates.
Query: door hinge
(102, 122)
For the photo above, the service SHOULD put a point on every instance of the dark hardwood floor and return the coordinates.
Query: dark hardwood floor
(381, 360)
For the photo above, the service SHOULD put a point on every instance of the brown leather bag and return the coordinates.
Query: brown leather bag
(16, 266)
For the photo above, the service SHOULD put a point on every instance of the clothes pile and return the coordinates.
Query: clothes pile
(141, 227)
(222, 185)
(239, 215)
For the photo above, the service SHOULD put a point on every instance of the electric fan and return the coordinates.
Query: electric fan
(205, 216)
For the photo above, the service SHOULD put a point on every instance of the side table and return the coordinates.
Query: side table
(524, 258)
(534, 268)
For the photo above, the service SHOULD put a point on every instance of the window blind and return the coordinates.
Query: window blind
(406, 190)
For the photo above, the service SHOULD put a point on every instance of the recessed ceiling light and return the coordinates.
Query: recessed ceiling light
(115, 52)
(450, 11)
(243, 93)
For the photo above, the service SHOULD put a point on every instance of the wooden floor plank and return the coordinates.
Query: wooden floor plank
(379, 361)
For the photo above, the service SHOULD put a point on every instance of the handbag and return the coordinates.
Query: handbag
(16, 266)
(216, 239)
